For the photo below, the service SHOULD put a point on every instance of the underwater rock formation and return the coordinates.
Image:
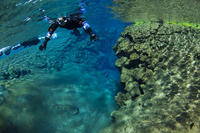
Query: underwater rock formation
(149, 10)
(160, 68)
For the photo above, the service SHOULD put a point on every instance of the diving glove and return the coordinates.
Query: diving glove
(93, 37)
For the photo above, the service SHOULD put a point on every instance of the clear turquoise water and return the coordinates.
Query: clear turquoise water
(70, 87)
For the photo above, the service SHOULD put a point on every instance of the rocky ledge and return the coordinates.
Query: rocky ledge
(160, 71)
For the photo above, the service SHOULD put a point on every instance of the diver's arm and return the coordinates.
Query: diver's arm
(88, 30)
(51, 30)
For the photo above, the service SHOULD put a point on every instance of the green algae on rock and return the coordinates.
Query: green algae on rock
(150, 10)
(160, 70)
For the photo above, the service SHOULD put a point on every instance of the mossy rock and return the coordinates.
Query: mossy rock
(166, 74)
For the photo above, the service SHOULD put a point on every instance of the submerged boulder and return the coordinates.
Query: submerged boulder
(160, 70)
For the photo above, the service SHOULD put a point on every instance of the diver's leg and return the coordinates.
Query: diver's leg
(17, 46)
(32, 41)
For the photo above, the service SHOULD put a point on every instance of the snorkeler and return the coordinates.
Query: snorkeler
(72, 22)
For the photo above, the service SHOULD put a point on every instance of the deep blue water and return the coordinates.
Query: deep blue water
(71, 86)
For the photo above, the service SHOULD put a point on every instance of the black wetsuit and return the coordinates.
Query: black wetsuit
(72, 23)
(32, 41)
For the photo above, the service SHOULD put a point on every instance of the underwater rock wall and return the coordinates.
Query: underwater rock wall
(151, 10)
(160, 70)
